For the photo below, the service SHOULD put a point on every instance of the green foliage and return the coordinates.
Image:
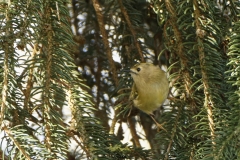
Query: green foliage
(38, 79)
(34, 58)
(228, 144)
(194, 32)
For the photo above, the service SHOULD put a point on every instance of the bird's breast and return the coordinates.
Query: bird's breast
(150, 98)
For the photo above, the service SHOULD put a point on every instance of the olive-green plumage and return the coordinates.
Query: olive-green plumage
(150, 85)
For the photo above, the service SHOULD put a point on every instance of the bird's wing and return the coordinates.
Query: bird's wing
(134, 93)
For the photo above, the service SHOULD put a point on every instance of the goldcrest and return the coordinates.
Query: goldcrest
(150, 88)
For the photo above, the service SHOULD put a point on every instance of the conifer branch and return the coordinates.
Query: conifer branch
(208, 102)
(134, 134)
(101, 25)
(16, 143)
(180, 52)
(134, 34)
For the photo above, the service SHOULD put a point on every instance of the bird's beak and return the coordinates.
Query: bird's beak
(126, 70)
(130, 71)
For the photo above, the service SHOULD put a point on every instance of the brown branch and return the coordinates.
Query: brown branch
(180, 52)
(76, 124)
(5, 68)
(85, 149)
(5, 86)
(184, 64)
(173, 134)
(101, 25)
(100, 19)
(125, 14)
(47, 29)
(133, 132)
(208, 103)
(29, 81)
(114, 121)
(16, 143)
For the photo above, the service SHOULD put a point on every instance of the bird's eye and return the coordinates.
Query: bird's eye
(138, 69)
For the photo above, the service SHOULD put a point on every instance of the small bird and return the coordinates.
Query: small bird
(150, 88)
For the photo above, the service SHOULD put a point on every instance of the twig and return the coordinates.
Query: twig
(100, 19)
(133, 132)
(125, 14)
(16, 143)
(101, 24)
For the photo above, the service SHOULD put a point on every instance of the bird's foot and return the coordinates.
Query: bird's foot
(160, 126)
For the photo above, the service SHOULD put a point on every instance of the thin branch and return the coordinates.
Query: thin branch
(133, 132)
(125, 14)
(29, 81)
(73, 124)
(173, 134)
(208, 103)
(47, 81)
(85, 149)
(101, 25)
(180, 51)
(16, 143)
(5, 86)
(113, 124)
(6, 68)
